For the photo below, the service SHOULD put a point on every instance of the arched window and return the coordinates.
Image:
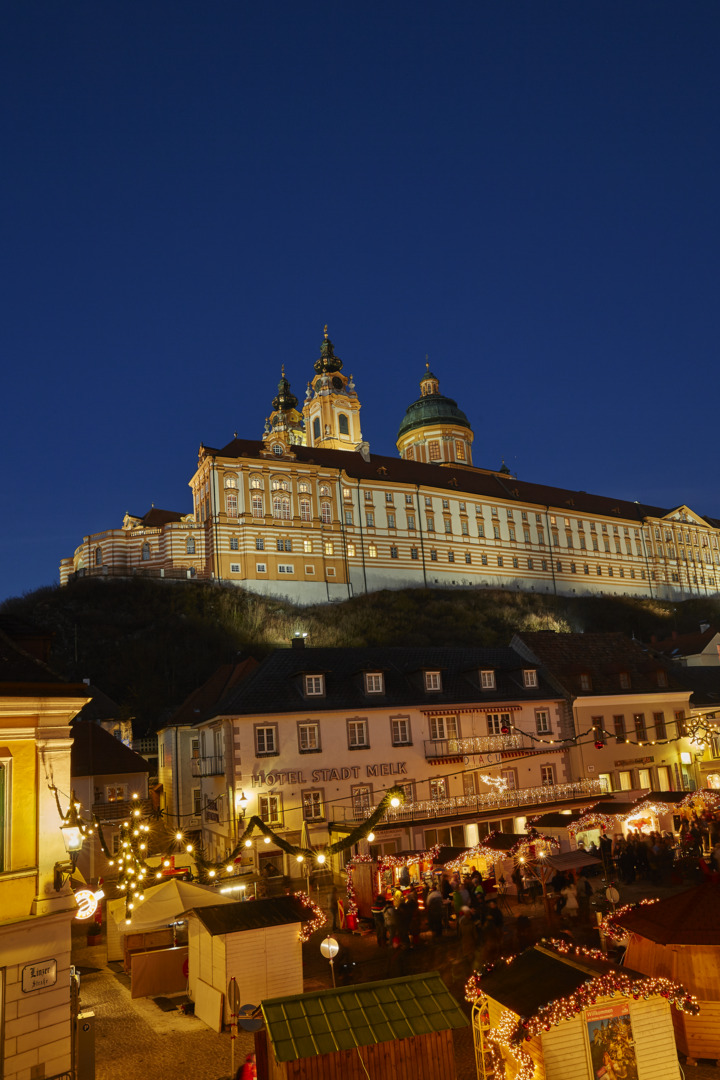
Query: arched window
(410, 453)
(304, 487)
(256, 482)
(326, 512)
(281, 507)
(305, 510)
(145, 551)
(325, 490)
(316, 428)
(343, 424)
(98, 556)
(257, 506)
(231, 481)
(190, 545)
(231, 504)
(280, 485)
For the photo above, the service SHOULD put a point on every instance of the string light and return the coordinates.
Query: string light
(610, 926)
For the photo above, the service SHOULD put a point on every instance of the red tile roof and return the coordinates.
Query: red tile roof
(203, 701)
(688, 918)
(686, 644)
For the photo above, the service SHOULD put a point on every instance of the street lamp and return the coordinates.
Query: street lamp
(329, 949)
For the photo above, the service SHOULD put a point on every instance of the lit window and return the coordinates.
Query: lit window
(329, 549)
(547, 775)
(256, 482)
(270, 809)
(434, 450)
(314, 685)
(325, 513)
(257, 506)
(372, 551)
(305, 510)
(307, 545)
(351, 550)
(281, 507)
(433, 680)
(308, 738)
(373, 682)
(325, 490)
(312, 800)
(304, 488)
(460, 450)
(231, 482)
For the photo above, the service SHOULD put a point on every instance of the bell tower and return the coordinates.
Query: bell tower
(332, 409)
(284, 425)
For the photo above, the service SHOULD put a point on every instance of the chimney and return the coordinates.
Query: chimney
(298, 641)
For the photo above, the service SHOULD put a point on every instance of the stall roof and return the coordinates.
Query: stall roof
(445, 854)
(324, 1022)
(688, 918)
(538, 976)
(250, 914)
(572, 860)
(670, 797)
(616, 809)
(556, 820)
(165, 903)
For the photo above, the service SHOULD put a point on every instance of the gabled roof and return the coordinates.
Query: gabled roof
(688, 918)
(22, 674)
(251, 915)
(277, 684)
(474, 482)
(95, 752)
(202, 703)
(704, 682)
(100, 707)
(602, 656)
(324, 1022)
(686, 644)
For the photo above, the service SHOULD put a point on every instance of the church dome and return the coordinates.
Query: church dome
(434, 428)
(432, 409)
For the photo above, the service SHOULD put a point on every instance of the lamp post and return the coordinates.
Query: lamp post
(330, 948)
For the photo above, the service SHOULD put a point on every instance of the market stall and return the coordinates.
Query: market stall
(368, 878)
(555, 1013)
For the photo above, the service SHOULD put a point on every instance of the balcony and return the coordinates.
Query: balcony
(121, 811)
(207, 766)
(476, 744)
(470, 805)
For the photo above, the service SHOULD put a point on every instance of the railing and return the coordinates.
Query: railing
(207, 766)
(466, 805)
(121, 811)
(476, 744)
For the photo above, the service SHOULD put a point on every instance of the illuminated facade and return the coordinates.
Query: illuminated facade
(308, 513)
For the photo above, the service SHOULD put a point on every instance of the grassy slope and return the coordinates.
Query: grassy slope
(148, 644)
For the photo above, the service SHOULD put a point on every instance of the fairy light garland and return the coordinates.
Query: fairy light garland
(610, 926)
(606, 985)
(316, 918)
(592, 821)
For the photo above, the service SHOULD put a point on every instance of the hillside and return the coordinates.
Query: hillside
(147, 644)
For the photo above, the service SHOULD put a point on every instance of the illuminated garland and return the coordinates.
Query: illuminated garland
(316, 918)
(610, 926)
(521, 849)
(600, 986)
(383, 862)
(592, 821)
(709, 799)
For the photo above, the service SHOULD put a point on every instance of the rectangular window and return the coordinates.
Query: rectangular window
(400, 730)
(434, 450)
(626, 782)
(329, 549)
(286, 568)
(391, 521)
(640, 732)
(270, 809)
(542, 722)
(585, 682)
(619, 726)
(430, 523)
(448, 525)
(284, 545)
(433, 555)
(413, 553)
(660, 726)
(530, 677)
(464, 528)
(361, 795)
(496, 722)
(547, 775)
(487, 679)
(451, 556)
(351, 550)
(234, 568)
(624, 680)
(314, 685)
(393, 552)
(197, 801)
(510, 777)
(443, 727)
(468, 558)
(370, 518)
(234, 543)
(408, 498)
(357, 733)
(388, 497)
(438, 788)
(368, 496)
(433, 680)
(307, 546)
(374, 682)
(348, 517)
(499, 560)
(411, 521)
(313, 808)
(308, 738)
(261, 568)
(266, 740)
(259, 544)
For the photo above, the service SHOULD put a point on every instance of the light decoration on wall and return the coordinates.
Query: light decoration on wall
(499, 783)
(512, 1035)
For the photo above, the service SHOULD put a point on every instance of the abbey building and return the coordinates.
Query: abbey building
(307, 512)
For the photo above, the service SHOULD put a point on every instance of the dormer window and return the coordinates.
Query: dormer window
(624, 680)
(662, 679)
(585, 682)
(314, 685)
(433, 680)
(487, 679)
(374, 682)
(530, 678)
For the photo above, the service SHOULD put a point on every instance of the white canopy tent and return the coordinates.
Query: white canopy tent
(163, 905)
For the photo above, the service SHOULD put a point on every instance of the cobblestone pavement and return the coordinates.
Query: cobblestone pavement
(134, 1037)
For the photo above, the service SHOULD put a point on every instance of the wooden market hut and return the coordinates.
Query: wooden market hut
(256, 941)
(397, 1029)
(545, 1015)
(679, 938)
(371, 877)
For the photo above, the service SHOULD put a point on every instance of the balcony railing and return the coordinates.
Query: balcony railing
(467, 805)
(207, 766)
(475, 744)
(121, 810)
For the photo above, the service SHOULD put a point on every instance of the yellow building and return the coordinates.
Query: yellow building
(35, 916)
(308, 513)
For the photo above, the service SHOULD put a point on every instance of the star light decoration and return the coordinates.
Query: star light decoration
(511, 1032)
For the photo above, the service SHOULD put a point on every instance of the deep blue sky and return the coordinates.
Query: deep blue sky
(527, 191)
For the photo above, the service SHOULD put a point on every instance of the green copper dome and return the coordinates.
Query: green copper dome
(328, 362)
(432, 409)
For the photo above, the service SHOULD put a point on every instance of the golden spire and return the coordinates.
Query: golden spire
(282, 370)
(326, 332)
(427, 362)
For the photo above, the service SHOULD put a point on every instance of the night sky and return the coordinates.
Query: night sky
(527, 192)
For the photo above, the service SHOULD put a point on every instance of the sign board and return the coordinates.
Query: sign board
(612, 1047)
(38, 976)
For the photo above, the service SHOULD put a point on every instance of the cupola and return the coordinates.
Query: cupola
(331, 409)
(284, 426)
(434, 429)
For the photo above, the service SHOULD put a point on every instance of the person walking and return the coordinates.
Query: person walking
(378, 914)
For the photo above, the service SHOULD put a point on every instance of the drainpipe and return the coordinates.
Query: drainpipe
(344, 535)
(645, 555)
(213, 509)
(420, 533)
(176, 768)
(362, 541)
(552, 559)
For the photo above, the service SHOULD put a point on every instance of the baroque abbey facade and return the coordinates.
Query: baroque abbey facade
(307, 513)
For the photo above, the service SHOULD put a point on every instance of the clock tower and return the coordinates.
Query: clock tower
(331, 410)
